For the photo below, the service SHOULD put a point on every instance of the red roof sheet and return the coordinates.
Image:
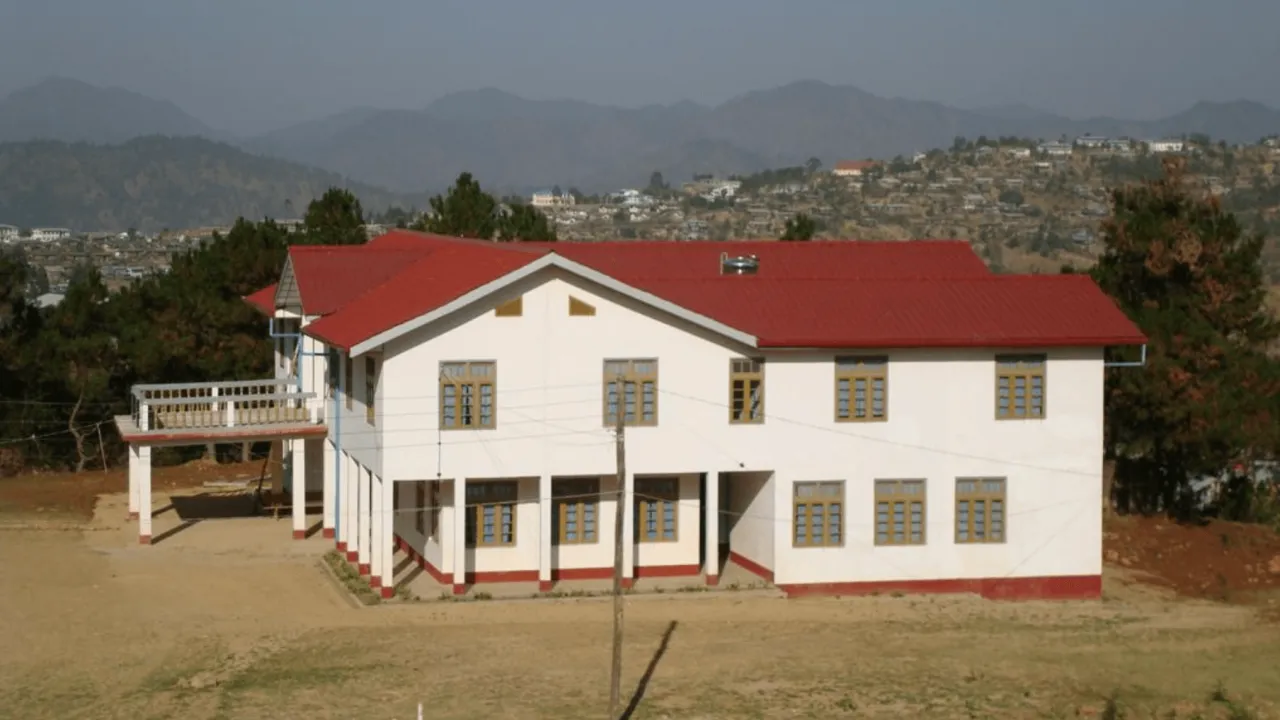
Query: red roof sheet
(828, 294)
(264, 300)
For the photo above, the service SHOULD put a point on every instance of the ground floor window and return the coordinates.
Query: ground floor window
(491, 513)
(657, 502)
(819, 514)
(980, 506)
(900, 516)
(574, 510)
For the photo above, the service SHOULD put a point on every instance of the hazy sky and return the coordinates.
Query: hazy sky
(252, 65)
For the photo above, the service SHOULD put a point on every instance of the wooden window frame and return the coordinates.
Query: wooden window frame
(868, 369)
(801, 503)
(420, 513)
(349, 381)
(745, 376)
(580, 308)
(637, 372)
(648, 495)
(371, 390)
(511, 308)
(893, 492)
(457, 385)
(1027, 367)
(581, 496)
(967, 499)
(475, 512)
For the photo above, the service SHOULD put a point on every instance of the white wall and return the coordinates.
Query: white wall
(941, 425)
(752, 514)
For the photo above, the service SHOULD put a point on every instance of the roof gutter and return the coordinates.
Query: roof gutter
(1140, 362)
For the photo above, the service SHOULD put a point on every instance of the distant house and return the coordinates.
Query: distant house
(1166, 146)
(547, 198)
(1018, 152)
(854, 168)
(1091, 142)
(50, 234)
(1055, 148)
(8, 233)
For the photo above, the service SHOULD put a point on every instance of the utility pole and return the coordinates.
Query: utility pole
(619, 498)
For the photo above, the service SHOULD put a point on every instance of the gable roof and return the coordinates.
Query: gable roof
(263, 300)
(819, 294)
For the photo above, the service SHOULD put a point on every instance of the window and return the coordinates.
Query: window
(433, 504)
(348, 382)
(370, 389)
(577, 308)
(491, 514)
(1019, 386)
(575, 508)
(980, 506)
(746, 390)
(861, 389)
(332, 372)
(420, 511)
(634, 384)
(819, 514)
(511, 308)
(657, 510)
(466, 394)
(900, 517)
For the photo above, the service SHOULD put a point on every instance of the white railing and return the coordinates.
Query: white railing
(223, 405)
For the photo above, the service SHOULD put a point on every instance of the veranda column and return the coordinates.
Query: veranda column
(299, 488)
(386, 542)
(711, 526)
(545, 508)
(377, 517)
(329, 517)
(628, 531)
(144, 494)
(460, 536)
(133, 481)
(351, 485)
(364, 521)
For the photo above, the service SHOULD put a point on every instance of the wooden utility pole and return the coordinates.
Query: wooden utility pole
(619, 499)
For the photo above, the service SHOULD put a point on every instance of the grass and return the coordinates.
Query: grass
(351, 579)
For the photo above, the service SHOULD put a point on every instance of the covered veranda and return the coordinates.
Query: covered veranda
(237, 411)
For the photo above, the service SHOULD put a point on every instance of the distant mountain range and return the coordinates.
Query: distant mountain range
(514, 144)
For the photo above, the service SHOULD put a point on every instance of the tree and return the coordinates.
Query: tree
(466, 211)
(336, 218)
(800, 227)
(1011, 197)
(813, 165)
(656, 183)
(525, 222)
(1209, 395)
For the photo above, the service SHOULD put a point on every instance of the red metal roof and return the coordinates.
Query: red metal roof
(828, 294)
(264, 300)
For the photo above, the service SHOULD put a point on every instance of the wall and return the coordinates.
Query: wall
(751, 511)
(941, 426)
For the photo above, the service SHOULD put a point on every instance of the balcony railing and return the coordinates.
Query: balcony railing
(229, 404)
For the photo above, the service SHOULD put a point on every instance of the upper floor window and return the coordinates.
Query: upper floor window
(980, 504)
(348, 380)
(657, 503)
(491, 513)
(900, 516)
(574, 510)
(370, 389)
(746, 390)
(1020, 386)
(511, 308)
(862, 389)
(631, 385)
(578, 308)
(467, 391)
(819, 514)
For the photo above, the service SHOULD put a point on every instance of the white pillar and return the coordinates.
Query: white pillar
(377, 518)
(628, 530)
(299, 488)
(133, 481)
(386, 541)
(144, 494)
(330, 488)
(364, 518)
(545, 508)
(460, 536)
(351, 481)
(711, 527)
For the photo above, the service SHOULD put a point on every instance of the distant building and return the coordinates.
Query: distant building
(49, 299)
(1018, 152)
(1166, 146)
(1091, 141)
(50, 234)
(854, 168)
(546, 198)
(8, 233)
(1055, 148)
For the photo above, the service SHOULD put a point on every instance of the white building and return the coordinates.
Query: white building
(854, 168)
(1056, 149)
(836, 417)
(547, 198)
(8, 233)
(1166, 146)
(50, 234)
(1018, 152)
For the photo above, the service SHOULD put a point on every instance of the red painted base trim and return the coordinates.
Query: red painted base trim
(459, 589)
(388, 593)
(713, 580)
(144, 539)
(1070, 587)
(341, 545)
(131, 516)
(352, 556)
(751, 566)
(327, 533)
(545, 586)
(666, 571)
(362, 568)
(628, 583)
(299, 534)
(375, 582)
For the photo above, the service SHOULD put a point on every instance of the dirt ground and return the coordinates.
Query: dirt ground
(233, 619)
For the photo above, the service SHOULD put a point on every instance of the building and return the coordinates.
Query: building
(1166, 146)
(547, 198)
(1091, 142)
(1018, 152)
(1055, 149)
(50, 234)
(836, 417)
(854, 168)
(8, 233)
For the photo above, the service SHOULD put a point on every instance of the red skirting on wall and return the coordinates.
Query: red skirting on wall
(1067, 587)
(751, 566)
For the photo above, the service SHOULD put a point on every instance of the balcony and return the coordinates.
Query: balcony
(230, 411)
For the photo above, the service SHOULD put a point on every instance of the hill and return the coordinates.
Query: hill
(156, 182)
(74, 111)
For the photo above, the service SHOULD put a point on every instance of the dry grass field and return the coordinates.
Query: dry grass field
(232, 619)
